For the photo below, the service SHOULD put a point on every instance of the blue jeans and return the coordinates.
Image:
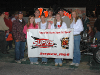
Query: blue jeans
(19, 50)
(77, 55)
(58, 60)
(44, 59)
(33, 59)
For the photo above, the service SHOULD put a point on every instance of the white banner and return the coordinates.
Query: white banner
(50, 43)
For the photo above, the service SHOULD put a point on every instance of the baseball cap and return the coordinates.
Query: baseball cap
(20, 12)
(6, 13)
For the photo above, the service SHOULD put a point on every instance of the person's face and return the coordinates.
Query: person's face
(37, 13)
(20, 16)
(58, 17)
(42, 18)
(74, 14)
(3, 15)
(32, 19)
(16, 16)
(61, 13)
(6, 16)
(50, 13)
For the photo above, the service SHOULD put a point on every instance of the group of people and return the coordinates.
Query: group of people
(20, 28)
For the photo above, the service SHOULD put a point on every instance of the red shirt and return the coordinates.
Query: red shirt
(8, 23)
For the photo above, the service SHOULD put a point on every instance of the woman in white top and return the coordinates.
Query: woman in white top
(77, 25)
(58, 24)
(43, 25)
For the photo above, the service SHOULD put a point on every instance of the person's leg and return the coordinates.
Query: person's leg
(35, 59)
(3, 42)
(44, 59)
(22, 48)
(17, 51)
(10, 44)
(77, 54)
(31, 60)
(58, 61)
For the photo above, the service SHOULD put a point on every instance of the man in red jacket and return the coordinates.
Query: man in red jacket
(8, 21)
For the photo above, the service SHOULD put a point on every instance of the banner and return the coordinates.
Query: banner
(50, 43)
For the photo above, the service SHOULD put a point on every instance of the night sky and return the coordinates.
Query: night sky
(29, 5)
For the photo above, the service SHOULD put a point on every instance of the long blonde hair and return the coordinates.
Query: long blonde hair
(28, 24)
(77, 17)
(55, 21)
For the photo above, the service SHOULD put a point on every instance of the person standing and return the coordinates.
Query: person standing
(58, 24)
(37, 19)
(31, 25)
(8, 21)
(19, 37)
(64, 18)
(77, 25)
(85, 20)
(15, 17)
(3, 27)
(44, 25)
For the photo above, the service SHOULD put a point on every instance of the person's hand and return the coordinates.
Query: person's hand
(50, 22)
(17, 40)
(37, 23)
(27, 30)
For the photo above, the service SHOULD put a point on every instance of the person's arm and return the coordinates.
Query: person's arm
(25, 29)
(79, 26)
(4, 25)
(36, 26)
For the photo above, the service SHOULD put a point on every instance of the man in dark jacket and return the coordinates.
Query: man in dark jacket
(19, 37)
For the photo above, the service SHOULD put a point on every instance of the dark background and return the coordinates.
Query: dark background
(29, 5)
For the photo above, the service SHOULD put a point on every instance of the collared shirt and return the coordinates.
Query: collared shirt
(78, 26)
(3, 25)
(20, 20)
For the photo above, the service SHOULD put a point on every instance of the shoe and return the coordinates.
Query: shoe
(7, 52)
(77, 64)
(56, 64)
(36, 63)
(72, 63)
(18, 61)
(23, 59)
(4, 52)
(31, 62)
(44, 62)
(60, 64)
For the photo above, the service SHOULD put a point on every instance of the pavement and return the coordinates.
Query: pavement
(23, 69)
(8, 66)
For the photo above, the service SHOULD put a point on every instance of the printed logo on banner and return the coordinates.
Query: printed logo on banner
(42, 43)
(65, 43)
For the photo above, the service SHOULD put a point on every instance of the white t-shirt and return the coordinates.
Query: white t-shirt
(64, 26)
(37, 20)
(43, 26)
